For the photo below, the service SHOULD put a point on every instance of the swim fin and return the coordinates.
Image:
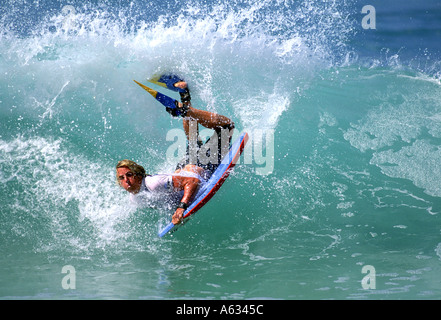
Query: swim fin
(168, 81)
(171, 105)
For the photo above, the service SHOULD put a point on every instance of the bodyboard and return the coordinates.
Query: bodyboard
(208, 190)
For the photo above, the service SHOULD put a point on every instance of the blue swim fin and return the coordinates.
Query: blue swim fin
(168, 81)
(171, 105)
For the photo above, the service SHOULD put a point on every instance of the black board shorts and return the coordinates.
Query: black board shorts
(209, 154)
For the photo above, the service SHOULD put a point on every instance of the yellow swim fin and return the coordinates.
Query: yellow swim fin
(171, 105)
(154, 93)
(158, 81)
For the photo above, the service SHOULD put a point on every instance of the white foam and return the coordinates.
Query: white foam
(402, 131)
(54, 180)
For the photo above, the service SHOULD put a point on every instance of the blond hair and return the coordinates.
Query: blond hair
(133, 166)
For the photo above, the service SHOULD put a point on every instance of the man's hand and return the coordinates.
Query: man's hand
(189, 185)
(178, 216)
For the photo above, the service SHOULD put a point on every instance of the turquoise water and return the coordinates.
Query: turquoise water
(341, 172)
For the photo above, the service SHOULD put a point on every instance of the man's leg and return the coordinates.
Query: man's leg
(212, 151)
(207, 119)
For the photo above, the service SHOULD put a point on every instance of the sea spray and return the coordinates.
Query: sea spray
(341, 172)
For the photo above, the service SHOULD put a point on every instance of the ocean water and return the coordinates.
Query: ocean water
(338, 195)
